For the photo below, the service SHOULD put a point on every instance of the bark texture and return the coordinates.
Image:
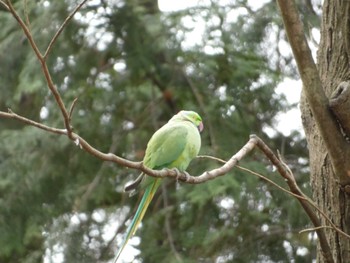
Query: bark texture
(340, 106)
(333, 64)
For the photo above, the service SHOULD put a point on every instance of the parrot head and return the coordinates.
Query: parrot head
(191, 116)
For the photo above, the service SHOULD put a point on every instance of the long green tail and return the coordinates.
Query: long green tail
(141, 210)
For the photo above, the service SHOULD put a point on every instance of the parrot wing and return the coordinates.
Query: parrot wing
(166, 146)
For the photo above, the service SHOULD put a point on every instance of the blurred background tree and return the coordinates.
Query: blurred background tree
(132, 66)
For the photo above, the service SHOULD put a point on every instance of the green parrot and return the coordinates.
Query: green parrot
(173, 146)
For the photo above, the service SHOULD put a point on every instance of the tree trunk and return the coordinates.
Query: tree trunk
(333, 66)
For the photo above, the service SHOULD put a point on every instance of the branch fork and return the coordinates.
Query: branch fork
(254, 141)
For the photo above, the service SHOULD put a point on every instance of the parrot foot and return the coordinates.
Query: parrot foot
(179, 174)
(175, 170)
(187, 175)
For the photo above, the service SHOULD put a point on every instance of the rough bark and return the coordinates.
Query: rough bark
(333, 65)
(340, 105)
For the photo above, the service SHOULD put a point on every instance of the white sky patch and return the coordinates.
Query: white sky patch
(130, 252)
(171, 6)
(195, 36)
(255, 5)
(316, 36)
(55, 256)
(302, 251)
(291, 88)
(287, 246)
(227, 203)
(44, 113)
(96, 34)
(290, 120)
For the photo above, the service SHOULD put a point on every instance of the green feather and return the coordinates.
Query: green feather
(173, 146)
(140, 212)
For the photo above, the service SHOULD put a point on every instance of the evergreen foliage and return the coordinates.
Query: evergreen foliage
(132, 67)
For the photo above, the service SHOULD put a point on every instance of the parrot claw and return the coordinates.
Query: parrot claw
(176, 171)
(187, 175)
(179, 174)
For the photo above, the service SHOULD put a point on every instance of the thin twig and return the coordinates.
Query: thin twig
(45, 69)
(271, 182)
(24, 28)
(57, 96)
(11, 115)
(180, 176)
(59, 31)
(72, 108)
(5, 5)
(308, 207)
(312, 229)
(208, 175)
(312, 203)
(302, 196)
(26, 14)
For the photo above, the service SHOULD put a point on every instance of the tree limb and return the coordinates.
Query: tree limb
(312, 87)
(4, 5)
(11, 115)
(79, 141)
(253, 142)
(42, 60)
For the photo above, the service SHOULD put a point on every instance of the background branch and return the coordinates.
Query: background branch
(59, 31)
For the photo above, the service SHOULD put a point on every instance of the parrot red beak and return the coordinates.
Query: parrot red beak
(201, 127)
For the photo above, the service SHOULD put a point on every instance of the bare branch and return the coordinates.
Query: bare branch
(317, 100)
(24, 28)
(271, 182)
(57, 96)
(72, 108)
(5, 5)
(302, 197)
(312, 229)
(59, 31)
(254, 141)
(308, 208)
(44, 67)
(12, 115)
